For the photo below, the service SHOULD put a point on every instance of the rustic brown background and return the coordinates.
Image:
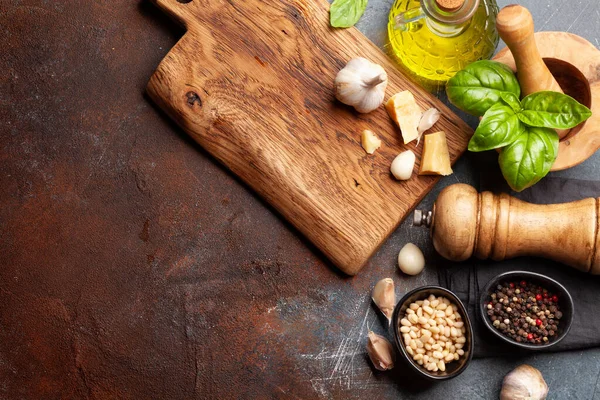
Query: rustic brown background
(132, 266)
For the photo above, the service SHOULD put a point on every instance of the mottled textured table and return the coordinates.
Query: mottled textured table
(133, 266)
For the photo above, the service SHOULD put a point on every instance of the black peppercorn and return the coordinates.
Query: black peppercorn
(528, 313)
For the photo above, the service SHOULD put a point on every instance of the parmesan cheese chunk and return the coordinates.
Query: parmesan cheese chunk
(406, 113)
(370, 142)
(436, 159)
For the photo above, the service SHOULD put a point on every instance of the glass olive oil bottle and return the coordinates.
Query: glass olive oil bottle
(434, 39)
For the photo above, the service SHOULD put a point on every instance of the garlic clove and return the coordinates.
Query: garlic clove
(380, 352)
(403, 165)
(524, 383)
(361, 84)
(429, 118)
(384, 297)
(411, 260)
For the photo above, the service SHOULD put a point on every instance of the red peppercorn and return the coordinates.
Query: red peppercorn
(538, 297)
(545, 295)
(538, 322)
(523, 283)
(555, 298)
(529, 336)
(512, 285)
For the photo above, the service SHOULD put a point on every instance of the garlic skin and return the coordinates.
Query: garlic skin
(380, 352)
(361, 84)
(384, 297)
(428, 119)
(411, 260)
(403, 165)
(524, 383)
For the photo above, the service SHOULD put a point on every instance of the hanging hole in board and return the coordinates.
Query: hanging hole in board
(184, 1)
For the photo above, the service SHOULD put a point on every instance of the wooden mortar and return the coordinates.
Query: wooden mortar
(556, 61)
(465, 223)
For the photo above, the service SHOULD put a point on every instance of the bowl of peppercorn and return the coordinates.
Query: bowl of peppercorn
(527, 310)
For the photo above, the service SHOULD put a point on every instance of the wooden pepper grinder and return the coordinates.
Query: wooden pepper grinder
(515, 27)
(465, 223)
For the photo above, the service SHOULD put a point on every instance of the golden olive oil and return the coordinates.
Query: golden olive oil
(433, 44)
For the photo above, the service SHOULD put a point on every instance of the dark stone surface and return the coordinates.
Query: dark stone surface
(132, 266)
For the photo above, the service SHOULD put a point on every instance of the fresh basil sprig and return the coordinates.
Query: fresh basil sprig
(529, 158)
(524, 129)
(499, 127)
(512, 100)
(553, 110)
(346, 13)
(480, 85)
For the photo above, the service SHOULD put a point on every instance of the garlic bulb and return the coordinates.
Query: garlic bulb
(380, 352)
(428, 119)
(384, 297)
(361, 84)
(524, 383)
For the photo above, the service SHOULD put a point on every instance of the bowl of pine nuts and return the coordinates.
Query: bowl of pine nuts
(433, 332)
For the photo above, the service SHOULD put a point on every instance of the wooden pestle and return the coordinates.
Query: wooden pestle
(465, 223)
(515, 26)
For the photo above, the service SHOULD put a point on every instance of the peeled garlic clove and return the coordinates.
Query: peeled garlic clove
(403, 165)
(411, 260)
(361, 84)
(384, 297)
(380, 352)
(524, 383)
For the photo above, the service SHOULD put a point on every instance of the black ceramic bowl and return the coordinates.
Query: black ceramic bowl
(565, 304)
(453, 368)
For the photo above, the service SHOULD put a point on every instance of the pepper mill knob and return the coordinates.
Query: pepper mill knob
(466, 223)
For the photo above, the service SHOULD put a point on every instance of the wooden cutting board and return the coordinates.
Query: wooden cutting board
(252, 82)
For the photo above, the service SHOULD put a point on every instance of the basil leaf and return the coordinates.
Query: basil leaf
(529, 158)
(480, 85)
(512, 100)
(346, 13)
(499, 127)
(553, 110)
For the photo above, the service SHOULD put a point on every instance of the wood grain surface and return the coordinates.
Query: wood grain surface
(252, 82)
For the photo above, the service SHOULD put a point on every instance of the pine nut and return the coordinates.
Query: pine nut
(441, 365)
